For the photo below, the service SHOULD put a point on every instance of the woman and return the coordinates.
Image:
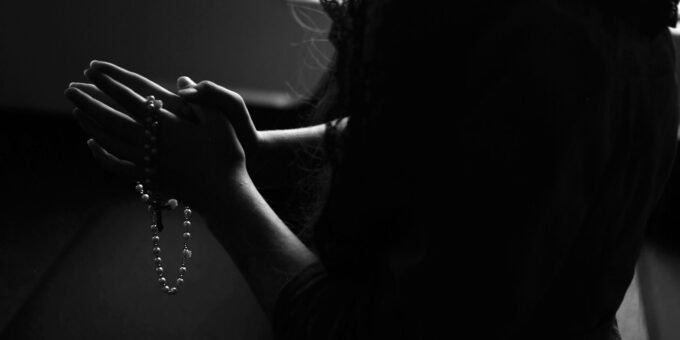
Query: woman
(493, 168)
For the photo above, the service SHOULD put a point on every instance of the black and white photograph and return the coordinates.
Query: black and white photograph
(340, 170)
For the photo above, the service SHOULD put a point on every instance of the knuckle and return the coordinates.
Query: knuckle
(207, 84)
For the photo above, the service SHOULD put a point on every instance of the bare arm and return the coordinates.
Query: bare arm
(281, 151)
(272, 155)
(266, 252)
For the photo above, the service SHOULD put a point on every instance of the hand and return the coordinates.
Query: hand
(209, 94)
(197, 146)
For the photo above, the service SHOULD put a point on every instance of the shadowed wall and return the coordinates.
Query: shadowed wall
(238, 43)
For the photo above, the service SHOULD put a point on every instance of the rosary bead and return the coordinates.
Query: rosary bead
(172, 203)
(153, 203)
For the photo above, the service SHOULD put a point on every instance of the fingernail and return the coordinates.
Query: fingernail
(93, 62)
(92, 146)
(85, 72)
(184, 82)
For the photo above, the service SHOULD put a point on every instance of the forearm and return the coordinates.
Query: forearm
(266, 252)
(282, 153)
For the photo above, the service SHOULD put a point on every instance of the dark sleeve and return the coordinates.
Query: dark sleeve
(314, 305)
(535, 149)
(299, 299)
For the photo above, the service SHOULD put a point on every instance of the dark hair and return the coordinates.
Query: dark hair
(388, 60)
(385, 79)
(361, 203)
(649, 16)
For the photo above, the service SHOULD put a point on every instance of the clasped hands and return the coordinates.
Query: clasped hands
(205, 130)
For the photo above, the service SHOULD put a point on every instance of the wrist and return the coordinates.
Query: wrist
(253, 152)
(228, 195)
(259, 153)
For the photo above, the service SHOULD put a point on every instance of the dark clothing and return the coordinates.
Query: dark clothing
(537, 164)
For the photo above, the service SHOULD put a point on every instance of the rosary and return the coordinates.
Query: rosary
(153, 203)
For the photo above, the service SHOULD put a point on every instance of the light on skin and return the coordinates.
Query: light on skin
(675, 36)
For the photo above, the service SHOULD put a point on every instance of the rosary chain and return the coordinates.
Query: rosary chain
(155, 208)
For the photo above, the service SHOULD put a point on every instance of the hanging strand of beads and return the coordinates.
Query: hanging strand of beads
(153, 202)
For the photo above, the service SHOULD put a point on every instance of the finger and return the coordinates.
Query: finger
(205, 114)
(111, 162)
(133, 103)
(96, 93)
(138, 83)
(107, 118)
(188, 111)
(228, 102)
(108, 141)
(184, 82)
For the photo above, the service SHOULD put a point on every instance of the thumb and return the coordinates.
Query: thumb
(211, 94)
(184, 82)
(228, 102)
